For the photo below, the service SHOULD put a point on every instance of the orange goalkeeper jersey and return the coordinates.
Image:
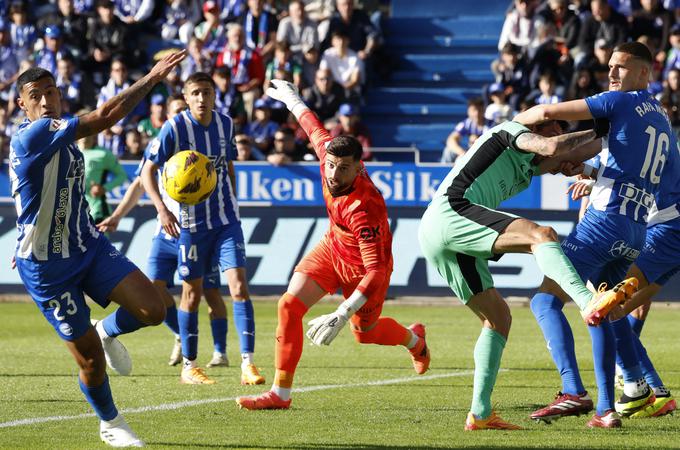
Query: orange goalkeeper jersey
(359, 233)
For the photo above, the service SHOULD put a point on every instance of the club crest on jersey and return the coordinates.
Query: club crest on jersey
(76, 169)
(57, 124)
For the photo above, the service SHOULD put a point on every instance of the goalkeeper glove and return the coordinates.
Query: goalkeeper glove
(325, 328)
(287, 93)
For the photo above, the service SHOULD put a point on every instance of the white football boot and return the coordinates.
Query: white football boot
(117, 433)
(117, 356)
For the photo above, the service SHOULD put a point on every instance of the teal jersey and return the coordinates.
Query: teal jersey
(493, 170)
(99, 163)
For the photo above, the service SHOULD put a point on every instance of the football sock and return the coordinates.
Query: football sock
(386, 331)
(188, 333)
(100, 398)
(283, 393)
(219, 334)
(560, 340)
(604, 358)
(121, 322)
(636, 324)
(188, 363)
(648, 371)
(488, 353)
(412, 340)
(246, 358)
(556, 266)
(662, 391)
(171, 319)
(244, 318)
(626, 349)
(289, 334)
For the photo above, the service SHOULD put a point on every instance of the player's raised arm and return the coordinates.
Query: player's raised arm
(575, 158)
(287, 93)
(122, 104)
(572, 110)
(557, 145)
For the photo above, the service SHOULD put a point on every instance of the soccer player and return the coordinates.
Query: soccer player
(461, 230)
(163, 264)
(611, 234)
(60, 256)
(355, 255)
(209, 228)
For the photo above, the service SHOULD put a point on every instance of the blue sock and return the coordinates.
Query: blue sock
(171, 319)
(219, 334)
(635, 324)
(625, 348)
(100, 398)
(557, 333)
(188, 333)
(648, 371)
(604, 357)
(244, 318)
(121, 322)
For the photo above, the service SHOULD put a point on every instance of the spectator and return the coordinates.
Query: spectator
(197, 59)
(178, 19)
(654, 21)
(133, 145)
(107, 37)
(134, 12)
(231, 10)
(549, 57)
(283, 66)
(582, 85)
(299, 32)
(673, 112)
(547, 86)
(228, 100)
(23, 33)
(261, 130)
(345, 65)
(259, 26)
(9, 65)
(598, 63)
(245, 150)
(673, 58)
(498, 111)
(350, 124)
(72, 24)
(520, 25)
(466, 132)
(149, 127)
(83, 6)
(604, 23)
(52, 51)
(363, 37)
(566, 22)
(211, 32)
(325, 97)
(672, 89)
(286, 150)
(510, 70)
(247, 70)
(4, 137)
(70, 83)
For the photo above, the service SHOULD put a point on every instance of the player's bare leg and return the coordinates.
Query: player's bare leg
(303, 292)
(244, 318)
(217, 312)
(496, 319)
(170, 320)
(192, 290)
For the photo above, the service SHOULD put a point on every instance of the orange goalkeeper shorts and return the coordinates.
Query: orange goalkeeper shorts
(332, 275)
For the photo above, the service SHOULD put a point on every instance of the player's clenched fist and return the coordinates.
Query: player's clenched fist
(325, 328)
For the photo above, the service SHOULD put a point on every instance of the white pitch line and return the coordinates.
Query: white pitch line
(189, 403)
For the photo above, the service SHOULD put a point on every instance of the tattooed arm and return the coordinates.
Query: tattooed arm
(552, 146)
(122, 104)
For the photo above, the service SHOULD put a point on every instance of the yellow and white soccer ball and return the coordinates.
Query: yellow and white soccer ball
(189, 177)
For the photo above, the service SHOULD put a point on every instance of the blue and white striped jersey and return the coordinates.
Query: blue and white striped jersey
(47, 182)
(183, 132)
(634, 153)
(667, 205)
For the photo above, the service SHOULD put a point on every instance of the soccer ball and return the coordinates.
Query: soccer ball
(189, 177)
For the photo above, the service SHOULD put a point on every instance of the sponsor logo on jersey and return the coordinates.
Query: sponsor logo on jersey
(65, 329)
(621, 249)
(183, 270)
(57, 124)
(369, 233)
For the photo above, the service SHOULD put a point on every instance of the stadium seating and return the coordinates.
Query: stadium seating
(442, 52)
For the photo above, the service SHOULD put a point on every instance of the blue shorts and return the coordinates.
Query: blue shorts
(199, 251)
(162, 263)
(57, 286)
(603, 246)
(660, 257)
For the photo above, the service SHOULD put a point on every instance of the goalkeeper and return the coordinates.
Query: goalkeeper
(355, 255)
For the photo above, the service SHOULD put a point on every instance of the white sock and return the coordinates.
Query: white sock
(661, 391)
(618, 370)
(283, 393)
(636, 388)
(188, 364)
(414, 340)
(99, 328)
(218, 354)
(246, 358)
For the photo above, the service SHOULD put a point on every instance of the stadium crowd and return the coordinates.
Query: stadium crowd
(97, 48)
(555, 50)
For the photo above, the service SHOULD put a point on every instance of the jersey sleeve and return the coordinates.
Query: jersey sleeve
(366, 224)
(318, 135)
(44, 137)
(163, 147)
(604, 104)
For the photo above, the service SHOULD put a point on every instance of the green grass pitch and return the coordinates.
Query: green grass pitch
(353, 397)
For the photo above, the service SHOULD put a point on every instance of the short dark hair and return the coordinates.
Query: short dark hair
(32, 75)
(172, 97)
(345, 146)
(223, 71)
(637, 50)
(199, 77)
